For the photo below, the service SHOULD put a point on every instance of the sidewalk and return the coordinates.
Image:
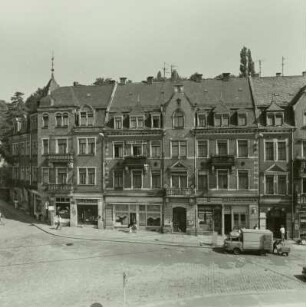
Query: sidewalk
(123, 235)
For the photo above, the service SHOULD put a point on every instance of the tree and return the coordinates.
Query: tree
(196, 77)
(159, 76)
(175, 76)
(102, 81)
(247, 67)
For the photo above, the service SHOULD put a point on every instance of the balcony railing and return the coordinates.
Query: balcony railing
(60, 188)
(60, 157)
(179, 191)
(135, 162)
(222, 161)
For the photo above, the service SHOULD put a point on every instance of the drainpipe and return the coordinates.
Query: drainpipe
(195, 188)
(292, 189)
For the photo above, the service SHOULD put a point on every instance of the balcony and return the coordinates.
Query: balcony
(60, 157)
(133, 162)
(179, 192)
(226, 161)
(59, 188)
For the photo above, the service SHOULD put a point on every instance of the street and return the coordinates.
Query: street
(38, 269)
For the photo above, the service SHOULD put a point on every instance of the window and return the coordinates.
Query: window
(87, 146)
(62, 176)
(304, 118)
(203, 148)
(243, 180)
(221, 120)
(242, 119)
(45, 175)
(136, 150)
(270, 119)
(155, 121)
(136, 122)
(278, 119)
(242, 148)
(118, 179)
(61, 120)
(118, 122)
(202, 182)
(87, 176)
(222, 148)
(202, 120)
(156, 182)
(155, 149)
(269, 184)
(282, 184)
(45, 120)
(136, 179)
(269, 146)
(86, 117)
(304, 149)
(179, 181)
(281, 148)
(275, 119)
(178, 119)
(34, 172)
(304, 186)
(62, 205)
(45, 146)
(222, 179)
(179, 148)
(62, 146)
(118, 150)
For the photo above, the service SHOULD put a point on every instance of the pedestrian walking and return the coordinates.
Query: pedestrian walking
(282, 231)
(58, 222)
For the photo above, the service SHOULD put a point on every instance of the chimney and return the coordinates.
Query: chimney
(150, 80)
(303, 73)
(75, 83)
(123, 80)
(278, 74)
(225, 76)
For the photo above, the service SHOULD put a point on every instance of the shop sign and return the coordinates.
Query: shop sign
(51, 208)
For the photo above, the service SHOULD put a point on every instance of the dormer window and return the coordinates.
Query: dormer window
(274, 119)
(155, 121)
(86, 116)
(178, 119)
(118, 122)
(201, 120)
(221, 120)
(136, 122)
(242, 119)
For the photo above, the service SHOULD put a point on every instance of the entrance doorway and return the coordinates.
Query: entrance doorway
(133, 220)
(227, 223)
(87, 214)
(179, 219)
(275, 219)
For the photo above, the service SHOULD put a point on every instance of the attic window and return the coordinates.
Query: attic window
(201, 120)
(86, 116)
(242, 119)
(221, 120)
(136, 122)
(274, 119)
(178, 119)
(118, 122)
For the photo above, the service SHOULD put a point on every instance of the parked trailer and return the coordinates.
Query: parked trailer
(250, 240)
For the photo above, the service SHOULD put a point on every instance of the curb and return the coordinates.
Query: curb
(126, 241)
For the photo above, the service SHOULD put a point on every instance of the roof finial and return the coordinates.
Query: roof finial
(52, 64)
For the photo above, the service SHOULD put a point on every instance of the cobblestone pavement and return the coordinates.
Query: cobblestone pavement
(39, 269)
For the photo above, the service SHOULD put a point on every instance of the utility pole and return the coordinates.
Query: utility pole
(283, 64)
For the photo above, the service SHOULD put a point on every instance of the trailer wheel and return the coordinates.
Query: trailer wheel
(236, 251)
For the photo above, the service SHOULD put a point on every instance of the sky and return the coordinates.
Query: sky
(134, 38)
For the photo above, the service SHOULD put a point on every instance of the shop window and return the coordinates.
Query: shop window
(153, 215)
(203, 148)
(121, 215)
(243, 180)
(240, 220)
(242, 148)
(222, 179)
(62, 205)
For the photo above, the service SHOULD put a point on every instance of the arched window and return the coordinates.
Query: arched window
(45, 120)
(65, 119)
(178, 119)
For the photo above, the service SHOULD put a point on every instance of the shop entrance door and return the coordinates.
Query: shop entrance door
(133, 220)
(179, 219)
(275, 219)
(227, 223)
(87, 214)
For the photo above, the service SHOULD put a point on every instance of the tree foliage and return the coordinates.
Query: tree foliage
(247, 67)
(102, 81)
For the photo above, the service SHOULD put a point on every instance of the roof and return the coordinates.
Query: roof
(274, 107)
(280, 89)
(233, 93)
(97, 96)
